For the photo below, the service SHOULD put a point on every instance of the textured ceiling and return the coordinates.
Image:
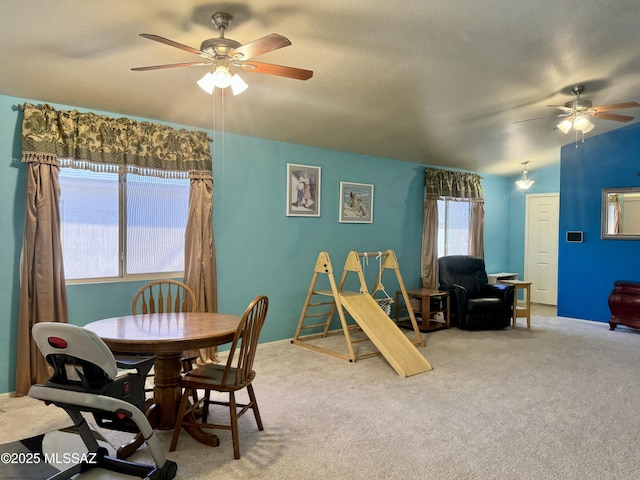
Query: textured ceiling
(436, 82)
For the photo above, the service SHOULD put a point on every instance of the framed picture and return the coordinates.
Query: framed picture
(356, 203)
(303, 190)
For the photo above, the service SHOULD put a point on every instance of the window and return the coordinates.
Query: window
(119, 226)
(454, 222)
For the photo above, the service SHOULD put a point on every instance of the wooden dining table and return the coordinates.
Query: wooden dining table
(167, 335)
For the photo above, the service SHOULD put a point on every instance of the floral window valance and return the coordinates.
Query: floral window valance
(458, 185)
(95, 142)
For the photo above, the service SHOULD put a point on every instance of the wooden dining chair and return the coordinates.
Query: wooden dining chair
(164, 296)
(227, 379)
(160, 296)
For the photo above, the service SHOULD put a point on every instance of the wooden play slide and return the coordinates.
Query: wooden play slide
(369, 317)
(394, 345)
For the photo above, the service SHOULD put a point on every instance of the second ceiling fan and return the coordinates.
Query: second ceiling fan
(579, 112)
(224, 56)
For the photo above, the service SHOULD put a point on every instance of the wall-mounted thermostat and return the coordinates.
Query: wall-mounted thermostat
(575, 237)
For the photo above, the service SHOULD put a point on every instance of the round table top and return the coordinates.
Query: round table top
(165, 332)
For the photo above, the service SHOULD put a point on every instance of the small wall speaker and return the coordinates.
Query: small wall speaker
(575, 237)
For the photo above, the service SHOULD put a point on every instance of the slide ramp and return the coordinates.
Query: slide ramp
(394, 345)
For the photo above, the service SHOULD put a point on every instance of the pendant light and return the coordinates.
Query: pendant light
(524, 182)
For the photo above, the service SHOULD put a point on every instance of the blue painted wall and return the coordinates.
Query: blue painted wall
(586, 271)
(547, 180)
(259, 249)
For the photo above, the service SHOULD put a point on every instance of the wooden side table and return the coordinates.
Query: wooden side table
(520, 309)
(427, 303)
(497, 277)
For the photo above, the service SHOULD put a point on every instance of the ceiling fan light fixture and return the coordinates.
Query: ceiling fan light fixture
(524, 183)
(582, 123)
(221, 77)
(565, 126)
(590, 126)
(206, 83)
(238, 85)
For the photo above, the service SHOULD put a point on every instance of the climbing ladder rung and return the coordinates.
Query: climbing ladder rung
(319, 304)
(317, 325)
(368, 355)
(361, 340)
(327, 293)
(324, 314)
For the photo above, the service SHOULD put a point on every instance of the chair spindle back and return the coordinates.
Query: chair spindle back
(164, 296)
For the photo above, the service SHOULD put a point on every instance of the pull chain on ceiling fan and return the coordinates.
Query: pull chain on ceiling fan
(224, 56)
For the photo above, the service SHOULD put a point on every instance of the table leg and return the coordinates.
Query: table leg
(192, 411)
(515, 306)
(199, 434)
(527, 291)
(166, 392)
(161, 413)
(425, 303)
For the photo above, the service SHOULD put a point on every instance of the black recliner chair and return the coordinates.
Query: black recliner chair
(475, 304)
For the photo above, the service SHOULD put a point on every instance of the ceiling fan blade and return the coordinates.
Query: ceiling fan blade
(617, 106)
(561, 107)
(613, 116)
(262, 45)
(271, 69)
(170, 65)
(539, 118)
(171, 43)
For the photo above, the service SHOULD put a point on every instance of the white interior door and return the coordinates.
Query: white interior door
(541, 247)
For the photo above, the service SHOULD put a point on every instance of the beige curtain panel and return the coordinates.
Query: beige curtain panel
(51, 139)
(430, 244)
(200, 256)
(441, 184)
(43, 296)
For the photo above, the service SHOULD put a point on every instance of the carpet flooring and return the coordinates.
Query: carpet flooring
(43, 455)
(558, 401)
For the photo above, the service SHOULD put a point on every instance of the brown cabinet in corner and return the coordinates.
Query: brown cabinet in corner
(624, 303)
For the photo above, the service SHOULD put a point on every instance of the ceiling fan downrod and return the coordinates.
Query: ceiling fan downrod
(221, 21)
(577, 104)
(220, 47)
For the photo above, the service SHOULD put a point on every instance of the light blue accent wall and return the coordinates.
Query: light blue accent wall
(547, 180)
(12, 181)
(496, 222)
(586, 271)
(259, 249)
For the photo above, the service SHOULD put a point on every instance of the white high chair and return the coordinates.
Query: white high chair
(86, 379)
